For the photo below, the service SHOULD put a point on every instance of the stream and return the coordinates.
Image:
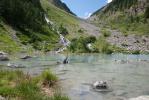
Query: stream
(126, 74)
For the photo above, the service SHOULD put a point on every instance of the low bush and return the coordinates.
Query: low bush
(105, 33)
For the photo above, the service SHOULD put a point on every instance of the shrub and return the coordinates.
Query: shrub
(63, 30)
(105, 33)
(80, 30)
(102, 46)
(49, 78)
(80, 45)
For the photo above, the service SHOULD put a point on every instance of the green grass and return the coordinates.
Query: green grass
(126, 24)
(105, 32)
(26, 19)
(102, 46)
(99, 45)
(49, 78)
(79, 45)
(20, 86)
(59, 16)
(7, 44)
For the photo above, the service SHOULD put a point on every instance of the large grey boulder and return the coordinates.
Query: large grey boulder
(2, 98)
(3, 56)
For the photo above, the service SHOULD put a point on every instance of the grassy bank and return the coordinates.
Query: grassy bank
(6, 42)
(15, 85)
(97, 45)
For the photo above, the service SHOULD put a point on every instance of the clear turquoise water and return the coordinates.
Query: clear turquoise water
(127, 75)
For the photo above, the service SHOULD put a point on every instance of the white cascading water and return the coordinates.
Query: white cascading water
(65, 42)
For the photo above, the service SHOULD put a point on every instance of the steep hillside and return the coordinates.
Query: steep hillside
(25, 20)
(61, 5)
(125, 24)
(129, 16)
(60, 17)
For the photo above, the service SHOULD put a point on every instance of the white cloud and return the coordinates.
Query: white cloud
(87, 15)
(108, 1)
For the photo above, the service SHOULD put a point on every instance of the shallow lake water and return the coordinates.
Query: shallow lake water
(127, 75)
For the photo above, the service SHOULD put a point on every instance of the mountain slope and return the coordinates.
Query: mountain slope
(27, 21)
(125, 24)
(125, 15)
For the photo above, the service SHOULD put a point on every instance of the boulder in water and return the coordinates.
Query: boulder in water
(65, 60)
(101, 86)
(3, 56)
(15, 65)
(26, 57)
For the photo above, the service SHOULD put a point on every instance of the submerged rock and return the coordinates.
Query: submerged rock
(15, 65)
(140, 98)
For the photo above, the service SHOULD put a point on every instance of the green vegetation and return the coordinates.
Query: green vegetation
(130, 25)
(20, 86)
(99, 45)
(6, 42)
(63, 30)
(102, 46)
(105, 32)
(128, 16)
(79, 45)
(60, 17)
(27, 17)
(49, 78)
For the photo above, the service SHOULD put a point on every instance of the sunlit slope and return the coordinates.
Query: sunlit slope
(59, 16)
(129, 16)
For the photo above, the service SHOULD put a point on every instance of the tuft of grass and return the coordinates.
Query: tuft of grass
(20, 86)
(105, 32)
(27, 90)
(102, 46)
(49, 78)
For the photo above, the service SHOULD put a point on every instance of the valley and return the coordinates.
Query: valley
(48, 53)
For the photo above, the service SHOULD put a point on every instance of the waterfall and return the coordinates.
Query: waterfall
(48, 21)
(64, 41)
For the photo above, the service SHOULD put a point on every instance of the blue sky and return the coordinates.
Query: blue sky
(84, 8)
